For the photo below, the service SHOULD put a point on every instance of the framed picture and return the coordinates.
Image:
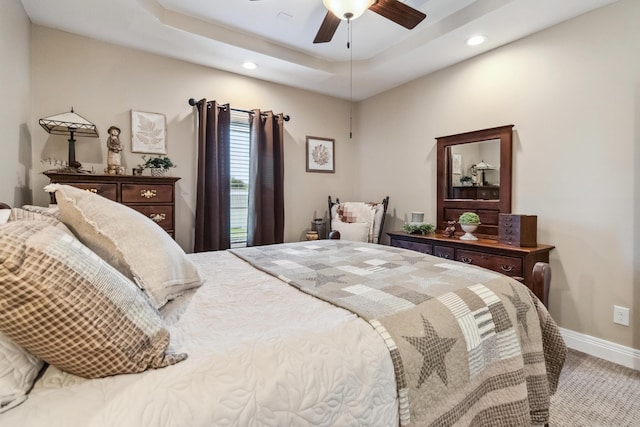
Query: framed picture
(148, 132)
(456, 164)
(320, 154)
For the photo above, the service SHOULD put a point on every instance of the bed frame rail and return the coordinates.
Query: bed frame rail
(541, 279)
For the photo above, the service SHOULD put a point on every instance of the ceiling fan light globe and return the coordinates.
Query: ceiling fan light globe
(343, 8)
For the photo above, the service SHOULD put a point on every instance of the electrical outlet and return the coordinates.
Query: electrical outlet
(621, 315)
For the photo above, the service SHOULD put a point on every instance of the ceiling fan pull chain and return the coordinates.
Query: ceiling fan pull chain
(349, 42)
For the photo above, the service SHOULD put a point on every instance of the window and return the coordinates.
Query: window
(239, 170)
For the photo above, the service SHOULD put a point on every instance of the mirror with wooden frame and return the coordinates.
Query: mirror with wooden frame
(483, 157)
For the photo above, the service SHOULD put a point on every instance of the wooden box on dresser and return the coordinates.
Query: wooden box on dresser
(152, 196)
(514, 261)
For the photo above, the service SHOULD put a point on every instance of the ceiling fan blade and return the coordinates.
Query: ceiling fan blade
(398, 12)
(327, 28)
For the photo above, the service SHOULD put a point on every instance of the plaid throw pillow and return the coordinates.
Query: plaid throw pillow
(64, 304)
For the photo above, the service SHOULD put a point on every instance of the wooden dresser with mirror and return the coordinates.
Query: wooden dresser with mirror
(486, 156)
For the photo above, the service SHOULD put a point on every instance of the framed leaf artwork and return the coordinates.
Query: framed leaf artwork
(148, 132)
(320, 154)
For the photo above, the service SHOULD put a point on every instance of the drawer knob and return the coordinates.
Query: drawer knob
(157, 217)
(506, 268)
(466, 260)
(92, 190)
(441, 255)
(148, 194)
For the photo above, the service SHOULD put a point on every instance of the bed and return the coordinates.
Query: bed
(324, 333)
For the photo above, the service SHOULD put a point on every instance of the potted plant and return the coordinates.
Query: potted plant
(418, 228)
(465, 180)
(469, 221)
(158, 165)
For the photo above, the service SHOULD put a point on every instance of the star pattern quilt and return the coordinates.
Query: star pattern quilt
(469, 346)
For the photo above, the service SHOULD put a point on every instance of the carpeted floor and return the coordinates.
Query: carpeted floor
(594, 392)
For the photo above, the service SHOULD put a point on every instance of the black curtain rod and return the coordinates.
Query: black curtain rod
(193, 103)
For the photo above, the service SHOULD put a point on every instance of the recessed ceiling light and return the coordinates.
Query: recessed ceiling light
(250, 65)
(476, 40)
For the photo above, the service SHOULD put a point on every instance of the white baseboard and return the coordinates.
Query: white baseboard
(607, 350)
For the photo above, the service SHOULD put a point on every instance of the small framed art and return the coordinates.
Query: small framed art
(320, 154)
(148, 132)
(456, 164)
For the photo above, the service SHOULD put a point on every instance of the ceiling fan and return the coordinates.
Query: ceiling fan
(338, 10)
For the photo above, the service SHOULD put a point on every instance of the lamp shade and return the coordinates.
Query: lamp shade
(70, 124)
(65, 123)
(347, 9)
(484, 166)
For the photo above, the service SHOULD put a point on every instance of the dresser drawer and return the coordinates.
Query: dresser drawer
(502, 264)
(488, 193)
(160, 214)
(414, 246)
(151, 196)
(108, 191)
(150, 193)
(444, 252)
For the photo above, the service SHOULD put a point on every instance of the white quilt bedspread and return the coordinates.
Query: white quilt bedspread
(261, 353)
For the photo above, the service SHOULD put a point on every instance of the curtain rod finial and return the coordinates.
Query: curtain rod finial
(192, 102)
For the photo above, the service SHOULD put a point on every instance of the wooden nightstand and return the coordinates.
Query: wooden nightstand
(514, 261)
(152, 196)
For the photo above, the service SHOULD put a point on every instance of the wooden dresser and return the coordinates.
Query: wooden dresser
(152, 196)
(514, 261)
(476, 192)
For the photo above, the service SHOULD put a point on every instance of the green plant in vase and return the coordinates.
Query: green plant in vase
(465, 180)
(469, 218)
(159, 165)
(469, 221)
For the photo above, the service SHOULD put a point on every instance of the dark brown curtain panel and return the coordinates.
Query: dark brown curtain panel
(266, 187)
(212, 230)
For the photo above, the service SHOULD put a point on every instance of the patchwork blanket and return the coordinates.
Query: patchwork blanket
(469, 346)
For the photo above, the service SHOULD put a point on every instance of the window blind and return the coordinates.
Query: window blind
(239, 170)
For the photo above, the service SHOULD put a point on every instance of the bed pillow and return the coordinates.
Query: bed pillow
(18, 371)
(20, 214)
(4, 215)
(64, 304)
(129, 241)
(355, 231)
(51, 210)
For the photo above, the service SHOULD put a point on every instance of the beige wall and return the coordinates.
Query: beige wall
(15, 71)
(104, 82)
(572, 93)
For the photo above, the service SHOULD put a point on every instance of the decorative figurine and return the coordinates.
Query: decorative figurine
(450, 230)
(114, 166)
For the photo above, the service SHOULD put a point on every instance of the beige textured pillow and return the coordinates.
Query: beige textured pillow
(354, 231)
(64, 304)
(129, 241)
